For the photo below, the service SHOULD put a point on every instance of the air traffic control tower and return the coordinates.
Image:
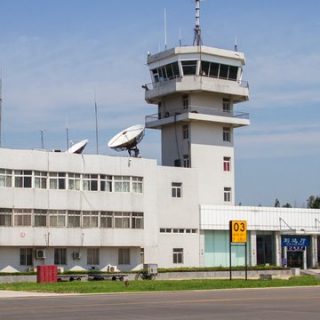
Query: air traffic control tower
(196, 89)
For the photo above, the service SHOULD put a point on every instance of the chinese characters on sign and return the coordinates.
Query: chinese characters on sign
(295, 243)
(238, 231)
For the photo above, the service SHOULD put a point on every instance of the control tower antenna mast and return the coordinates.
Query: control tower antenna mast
(197, 41)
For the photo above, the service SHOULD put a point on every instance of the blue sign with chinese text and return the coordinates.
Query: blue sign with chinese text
(295, 241)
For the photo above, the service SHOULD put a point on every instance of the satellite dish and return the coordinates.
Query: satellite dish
(128, 139)
(78, 147)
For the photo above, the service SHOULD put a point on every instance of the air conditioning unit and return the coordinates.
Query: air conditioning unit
(40, 254)
(76, 255)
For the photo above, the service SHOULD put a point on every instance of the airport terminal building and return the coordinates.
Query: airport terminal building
(85, 211)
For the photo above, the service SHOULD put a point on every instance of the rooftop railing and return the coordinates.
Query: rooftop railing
(197, 109)
(164, 81)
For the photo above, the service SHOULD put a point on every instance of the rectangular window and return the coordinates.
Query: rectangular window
(124, 256)
(73, 219)
(205, 68)
(226, 105)
(233, 73)
(166, 72)
(105, 183)
(60, 256)
(57, 218)
(23, 178)
(162, 73)
(226, 164)
(5, 217)
(57, 180)
(185, 102)
(90, 219)
(26, 256)
(74, 181)
(90, 182)
(172, 70)
(227, 194)
(40, 179)
(40, 218)
(155, 75)
(121, 184)
(175, 69)
(93, 256)
(106, 220)
(122, 220)
(186, 161)
(214, 70)
(176, 189)
(189, 67)
(137, 220)
(5, 178)
(137, 183)
(226, 134)
(185, 132)
(177, 255)
(223, 71)
(22, 217)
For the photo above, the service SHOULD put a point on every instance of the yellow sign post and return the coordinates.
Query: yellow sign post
(238, 231)
(238, 235)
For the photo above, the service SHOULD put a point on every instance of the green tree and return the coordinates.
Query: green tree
(313, 202)
(287, 205)
(277, 203)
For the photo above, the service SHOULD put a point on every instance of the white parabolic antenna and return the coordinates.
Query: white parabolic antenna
(78, 147)
(128, 139)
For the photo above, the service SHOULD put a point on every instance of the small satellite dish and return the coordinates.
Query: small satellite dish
(78, 147)
(128, 139)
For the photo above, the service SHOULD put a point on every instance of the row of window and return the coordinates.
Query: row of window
(219, 70)
(189, 67)
(167, 72)
(27, 255)
(71, 218)
(177, 230)
(176, 187)
(226, 133)
(186, 163)
(70, 181)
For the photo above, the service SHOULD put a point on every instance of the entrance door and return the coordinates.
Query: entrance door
(295, 259)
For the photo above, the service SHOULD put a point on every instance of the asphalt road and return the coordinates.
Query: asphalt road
(258, 304)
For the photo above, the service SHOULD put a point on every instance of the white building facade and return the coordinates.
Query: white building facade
(84, 212)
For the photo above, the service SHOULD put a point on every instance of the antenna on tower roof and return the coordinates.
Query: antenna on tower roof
(235, 44)
(97, 130)
(197, 41)
(165, 28)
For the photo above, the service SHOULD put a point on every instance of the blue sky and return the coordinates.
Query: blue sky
(56, 55)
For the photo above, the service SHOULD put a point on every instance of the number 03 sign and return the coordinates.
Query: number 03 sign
(238, 231)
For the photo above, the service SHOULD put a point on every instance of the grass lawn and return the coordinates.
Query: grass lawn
(147, 285)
